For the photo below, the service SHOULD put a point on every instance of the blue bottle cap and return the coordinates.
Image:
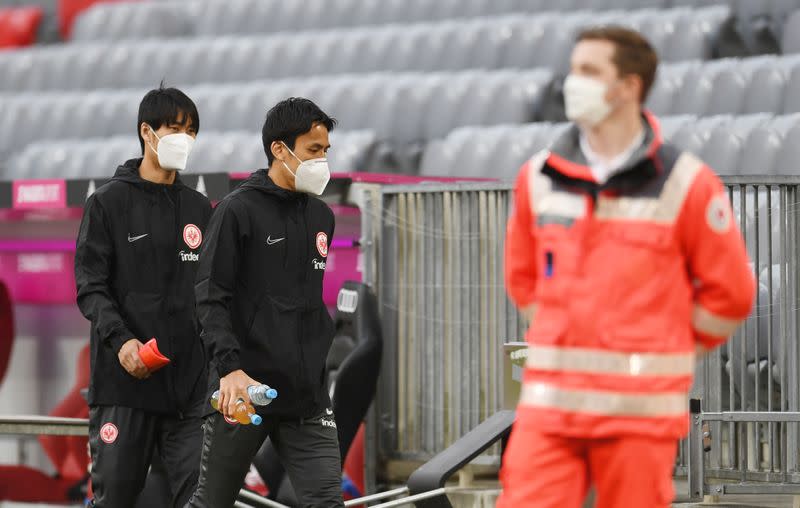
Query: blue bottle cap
(272, 393)
(255, 419)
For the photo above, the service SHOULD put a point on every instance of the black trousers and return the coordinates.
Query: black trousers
(308, 449)
(123, 441)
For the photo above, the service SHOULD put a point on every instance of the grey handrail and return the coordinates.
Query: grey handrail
(417, 497)
(377, 497)
(43, 425)
(33, 425)
(257, 500)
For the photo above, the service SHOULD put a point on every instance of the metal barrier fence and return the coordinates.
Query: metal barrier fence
(749, 388)
(434, 255)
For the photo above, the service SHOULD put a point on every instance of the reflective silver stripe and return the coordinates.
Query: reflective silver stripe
(596, 361)
(663, 209)
(709, 323)
(562, 204)
(604, 403)
(538, 185)
(544, 200)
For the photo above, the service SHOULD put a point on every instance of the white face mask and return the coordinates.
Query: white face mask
(585, 100)
(312, 176)
(173, 150)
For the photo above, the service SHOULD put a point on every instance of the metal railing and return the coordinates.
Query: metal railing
(750, 388)
(434, 255)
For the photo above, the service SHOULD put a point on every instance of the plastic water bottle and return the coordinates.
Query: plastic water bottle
(261, 395)
(244, 413)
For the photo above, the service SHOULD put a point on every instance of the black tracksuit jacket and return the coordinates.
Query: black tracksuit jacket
(259, 293)
(135, 267)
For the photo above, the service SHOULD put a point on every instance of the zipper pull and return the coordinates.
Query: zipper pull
(548, 264)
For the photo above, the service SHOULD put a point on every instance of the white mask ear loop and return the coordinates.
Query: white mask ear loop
(151, 144)
(293, 155)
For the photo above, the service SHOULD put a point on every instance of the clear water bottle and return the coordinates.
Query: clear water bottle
(261, 395)
(244, 413)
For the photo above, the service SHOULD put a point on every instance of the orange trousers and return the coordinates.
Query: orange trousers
(550, 471)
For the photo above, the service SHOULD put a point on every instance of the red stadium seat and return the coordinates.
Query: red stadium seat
(18, 26)
(68, 454)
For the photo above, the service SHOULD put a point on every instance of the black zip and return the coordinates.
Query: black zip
(300, 329)
(171, 285)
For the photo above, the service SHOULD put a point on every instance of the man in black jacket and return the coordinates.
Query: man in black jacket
(135, 267)
(259, 298)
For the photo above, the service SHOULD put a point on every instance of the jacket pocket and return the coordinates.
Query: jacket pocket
(317, 340)
(557, 260)
(633, 295)
(272, 345)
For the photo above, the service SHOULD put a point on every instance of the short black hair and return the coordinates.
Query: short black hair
(290, 119)
(166, 106)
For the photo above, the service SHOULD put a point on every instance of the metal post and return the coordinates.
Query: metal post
(696, 466)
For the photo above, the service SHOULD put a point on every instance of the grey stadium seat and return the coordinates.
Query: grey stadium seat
(672, 124)
(787, 161)
(139, 20)
(768, 86)
(266, 16)
(791, 34)
(214, 152)
(762, 146)
(670, 80)
(522, 41)
(728, 86)
(693, 136)
(437, 103)
(726, 144)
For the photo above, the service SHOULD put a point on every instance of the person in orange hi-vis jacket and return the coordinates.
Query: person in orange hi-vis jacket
(623, 252)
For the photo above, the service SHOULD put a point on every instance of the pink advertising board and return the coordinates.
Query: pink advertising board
(39, 194)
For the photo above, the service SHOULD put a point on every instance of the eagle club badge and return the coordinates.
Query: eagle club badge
(192, 236)
(109, 433)
(322, 244)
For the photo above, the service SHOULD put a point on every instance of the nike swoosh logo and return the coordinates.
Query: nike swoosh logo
(270, 241)
(134, 238)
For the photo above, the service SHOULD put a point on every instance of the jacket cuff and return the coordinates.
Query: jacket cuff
(227, 363)
(708, 342)
(118, 338)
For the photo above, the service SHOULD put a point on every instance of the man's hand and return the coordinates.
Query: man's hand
(129, 359)
(232, 388)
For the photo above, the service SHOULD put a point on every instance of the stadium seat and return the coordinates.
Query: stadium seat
(670, 79)
(726, 144)
(214, 152)
(672, 124)
(791, 34)
(760, 152)
(236, 17)
(139, 20)
(786, 162)
(767, 86)
(693, 136)
(727, 86)
(487, 152)
(523, 41)
(441, 102)
(18, 26)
